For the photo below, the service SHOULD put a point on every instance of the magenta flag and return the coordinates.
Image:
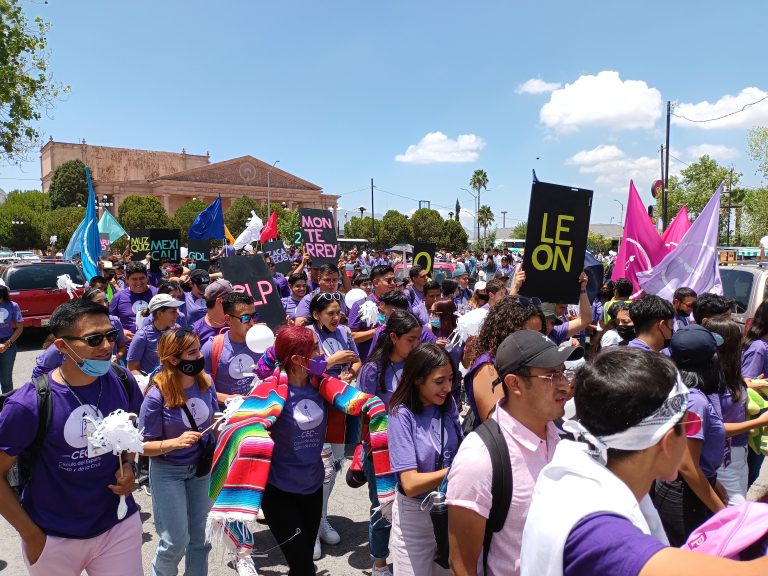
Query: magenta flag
(641, 246)
(694, 262)
(677, 229)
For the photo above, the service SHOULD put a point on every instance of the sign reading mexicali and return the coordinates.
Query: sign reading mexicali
(558, 222)
(319, 235)
(164, 244)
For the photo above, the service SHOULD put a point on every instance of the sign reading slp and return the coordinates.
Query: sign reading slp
(558, 222)
(250, 274)
(319, 235)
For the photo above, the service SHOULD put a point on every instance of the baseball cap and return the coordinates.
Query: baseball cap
(199, 278)
(693, 345)
(480, 285)
(459, 272)
(106, 264)
(218, 289)
(533, 350)
(163, 301)
(548, 308)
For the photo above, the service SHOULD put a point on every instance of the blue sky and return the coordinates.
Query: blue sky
(415, 94)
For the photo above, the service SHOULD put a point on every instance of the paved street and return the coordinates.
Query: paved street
(348, 512)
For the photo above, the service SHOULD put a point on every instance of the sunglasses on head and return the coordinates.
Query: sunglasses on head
(94, 340)
(330, 296)
(181, 332)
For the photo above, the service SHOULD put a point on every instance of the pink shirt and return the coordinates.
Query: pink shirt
(469, 486)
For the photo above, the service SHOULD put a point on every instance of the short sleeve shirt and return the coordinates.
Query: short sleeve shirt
(10, 317)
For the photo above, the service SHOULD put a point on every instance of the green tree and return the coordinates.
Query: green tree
(755, 216)
(142, 212)
(185, 215)
(63, 222)
(597, 242)
(479, 181)
(26, 85)
(458, 210)
(427, 226)
(288, 224)
(484, 219)
(358, 228)
(454, 238)
(394, 228)
(236, 216)
(69, 186)
(520, 230)
(33, 209)
(757, 147)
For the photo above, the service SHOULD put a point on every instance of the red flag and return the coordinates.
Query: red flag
(269, 232)
(641, 246)
(677, 229)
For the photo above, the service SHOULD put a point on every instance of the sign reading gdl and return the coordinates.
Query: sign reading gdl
(556, 239)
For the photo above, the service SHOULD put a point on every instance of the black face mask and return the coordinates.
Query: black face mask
(607, 294)
(191, 367)
(482, 297)
(626, 332)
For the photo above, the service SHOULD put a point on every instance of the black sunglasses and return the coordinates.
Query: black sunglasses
(181, 332)
(94, 340)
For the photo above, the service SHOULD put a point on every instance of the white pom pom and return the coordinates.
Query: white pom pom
(64, 282)
(117, 432)
(354, 295)
(369, 313)
(470, 323)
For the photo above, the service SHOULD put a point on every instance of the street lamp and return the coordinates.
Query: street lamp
(362, 209)
(476, 229)
(621, 220)
(503, 218)
(18, 222)
(105, 203)
(450, 215)
(268, 184)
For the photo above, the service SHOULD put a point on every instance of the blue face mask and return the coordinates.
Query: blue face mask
(434, 322)
(91, 367)
(191, 266)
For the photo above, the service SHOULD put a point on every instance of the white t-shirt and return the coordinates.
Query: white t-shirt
(610, 338)
(764, 242)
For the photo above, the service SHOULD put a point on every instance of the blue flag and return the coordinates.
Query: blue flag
(73, 248)
(108, 225)
(90, 244)
(209, 224)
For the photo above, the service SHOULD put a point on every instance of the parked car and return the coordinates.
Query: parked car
(350, 270)
(746, 285)
(33, 286)
(26, 255)
(440, 271)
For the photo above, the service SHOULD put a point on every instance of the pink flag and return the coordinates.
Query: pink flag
(677, 229)
(641, 246)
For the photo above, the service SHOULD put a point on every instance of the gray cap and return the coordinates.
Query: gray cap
(533, 350)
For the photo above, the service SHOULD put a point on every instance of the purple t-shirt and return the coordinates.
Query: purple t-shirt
(414, 439)
(67, 494)
(126, 304)
(712, 433)
(605, 543)
(143, 348)
(10, 316)
(368, 379)
(735, 412)
(281, 283)
(194, 308)
(754, 361)
(235, 361)
(639, 344)
(204, 331)
(163, 423)
(426, 337)
(299, 434)
(181, 319)
(336, 341)
(469, 379)
(356, 323)
(290, 306)
(559, 334)
(418, 308)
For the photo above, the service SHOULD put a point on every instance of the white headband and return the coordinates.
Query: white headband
(645, 433)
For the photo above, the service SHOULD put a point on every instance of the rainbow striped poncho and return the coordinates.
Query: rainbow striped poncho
(243, 453)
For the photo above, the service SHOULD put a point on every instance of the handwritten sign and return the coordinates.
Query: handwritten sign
(139, 244)
(558, 222)
(424, 256)
(279, 255)
(164, 244)
(104, 239)
(250, 274)
(319, 235)
(200, 252)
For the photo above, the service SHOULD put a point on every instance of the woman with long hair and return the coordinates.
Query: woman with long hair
(380, 376)
(424, 435)
(179, 404)
(11, 327)
(445, 308)
(143, 356)
(618, 331)
(754, 364)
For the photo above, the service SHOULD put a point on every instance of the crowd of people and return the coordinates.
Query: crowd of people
(594, 438)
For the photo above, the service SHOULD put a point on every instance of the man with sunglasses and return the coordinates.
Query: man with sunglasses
(127, 303)
(383, 280)
(228, 359)
(68, 515)
(536, 387)
(327, 281)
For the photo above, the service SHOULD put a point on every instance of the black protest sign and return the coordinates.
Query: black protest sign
(139, 244)
(319, 235)
(200, 252)
(250, 274)
(558, 222)
(104, 239)
(164, 244)
(424, 256)
(279, 256)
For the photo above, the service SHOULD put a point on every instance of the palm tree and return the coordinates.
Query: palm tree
(479, 181)
(484, 219)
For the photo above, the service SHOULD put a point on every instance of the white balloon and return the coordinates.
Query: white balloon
(259, 338)
(354, 295)
(184, 251)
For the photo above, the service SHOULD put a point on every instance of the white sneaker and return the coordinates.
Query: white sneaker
(245, 567)
(380, 571)
(327, 533)
(317, 552)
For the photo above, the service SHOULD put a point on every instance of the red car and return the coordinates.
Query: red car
(32, 285)
(440, 271)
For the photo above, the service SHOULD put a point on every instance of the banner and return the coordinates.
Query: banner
(277, 252)
(424, 256)
(139, 244)
(164, 244)
(209, 224)
(200, 252)
(104, 239)
(558, 222)
(250, 274)
(319, 235)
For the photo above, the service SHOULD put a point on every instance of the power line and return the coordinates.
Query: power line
(743, 108)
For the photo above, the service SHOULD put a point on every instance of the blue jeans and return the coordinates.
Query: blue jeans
(378, 527)
(7, 360)
(181, 505)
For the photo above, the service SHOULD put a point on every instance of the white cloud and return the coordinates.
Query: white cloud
(602, 153)
(604, 100)
(716, 151)
(537, 86)
(751, 116)
(436, 147)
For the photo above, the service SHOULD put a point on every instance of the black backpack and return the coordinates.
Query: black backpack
(18, 475)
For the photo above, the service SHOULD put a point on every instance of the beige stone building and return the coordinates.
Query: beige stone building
(176, 178)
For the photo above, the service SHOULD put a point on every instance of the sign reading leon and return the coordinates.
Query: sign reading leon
(319, 235)
(558, 222)
(250, 274)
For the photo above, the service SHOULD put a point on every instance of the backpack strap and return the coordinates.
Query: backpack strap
(216, 350)
(501, 484)
(44, 413)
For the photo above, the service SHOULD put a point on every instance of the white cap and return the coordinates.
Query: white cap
(480, 285)
(163, 301)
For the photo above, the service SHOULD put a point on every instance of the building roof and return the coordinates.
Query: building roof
(612, 231)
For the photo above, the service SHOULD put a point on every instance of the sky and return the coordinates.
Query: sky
(414, 94)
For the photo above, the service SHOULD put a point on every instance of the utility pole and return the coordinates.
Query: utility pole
(503, 218)
(664, 214)
(373, 216)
